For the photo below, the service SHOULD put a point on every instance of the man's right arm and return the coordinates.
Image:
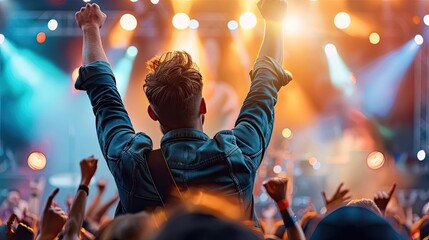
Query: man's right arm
(113, 124)
(255, 122)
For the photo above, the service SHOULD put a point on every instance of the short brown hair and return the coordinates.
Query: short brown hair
(174, 86)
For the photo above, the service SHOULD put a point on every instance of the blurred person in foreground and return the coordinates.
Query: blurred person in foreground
(225, 164)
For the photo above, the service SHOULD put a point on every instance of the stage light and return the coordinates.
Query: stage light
(181, 21)
(374, 38)
(375, 160)
(421, 155)
(232, 25)
(87, 1)
(52, 24)
(330, 49)
(36, 161)
(287, 133)
(426, 19)
(312, 161)
(41, 37)
(248, 20)
(342, 20)
(194, 24)
(134, 0)
(132, 51)
(277, 169)
(418, 39)
(387, 73)
(154, 1)
(128, 22)
(2, 38)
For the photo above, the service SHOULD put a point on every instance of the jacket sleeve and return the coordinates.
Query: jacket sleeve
(114, 128)
(255, 122)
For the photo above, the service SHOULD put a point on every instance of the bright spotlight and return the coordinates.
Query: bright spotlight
(154, 1)
(375, 160)
(248, 20)
(41, 37)
(426, 19)
(232, 25)
(418, 39)
(36, 161)
(374, 38)
(134, 0)
(342, 20)
(194, 24)
(330, 49)
(2, 38)
(181, 21)
(132, 51)
(128, 22)
(52, 24)
(421, 155)
(87, 0)
(277, 169)
(287, 133)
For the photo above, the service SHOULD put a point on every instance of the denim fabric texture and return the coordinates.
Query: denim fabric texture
(225, 164)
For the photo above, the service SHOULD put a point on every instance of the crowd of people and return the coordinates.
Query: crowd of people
(194, 187)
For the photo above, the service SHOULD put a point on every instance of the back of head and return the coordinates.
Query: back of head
(173, 87)
(129, 226)
(351, 222)
(365, 203)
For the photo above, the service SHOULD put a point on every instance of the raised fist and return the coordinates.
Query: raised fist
(90, 16)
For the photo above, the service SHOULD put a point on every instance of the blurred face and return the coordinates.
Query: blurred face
(13, 198)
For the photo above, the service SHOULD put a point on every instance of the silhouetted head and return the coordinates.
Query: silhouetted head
(173, 87)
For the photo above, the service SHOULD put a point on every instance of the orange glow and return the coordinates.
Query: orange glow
(416, 20)
(41, 37)
(119, 37)
(312, 161)
(75, 74)
(36, 161)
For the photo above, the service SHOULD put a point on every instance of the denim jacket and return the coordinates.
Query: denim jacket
(225, 164)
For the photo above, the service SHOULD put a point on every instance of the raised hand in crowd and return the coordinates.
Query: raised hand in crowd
(277, 189)
(381, 199)
(52, 219)
(73, 226)
(337, 200)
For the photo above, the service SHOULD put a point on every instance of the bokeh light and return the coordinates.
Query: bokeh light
(87, 1)
(421, 155)
(181, 21)
(375, 160)
(128, 22)
(287, 133)
(2, 38)
(132, 51)
(232, 25)
(248, 20)
(134, 0)
(312, 161)
(317, 166)
(53, 24)
(194, 24)
(154, 1)
(426, 19)
(41, 37)
(342, 20)
(36, 161)
(374, 38)
(277, 169)
(418, 39)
